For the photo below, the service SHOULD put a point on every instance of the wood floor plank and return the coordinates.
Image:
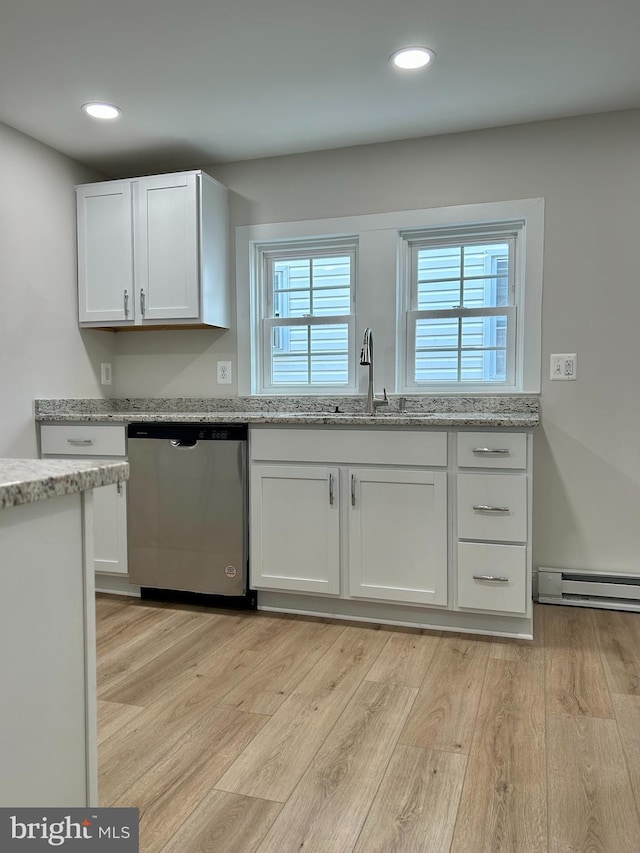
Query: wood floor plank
(405, 657)
(171, 789)
(591, 805)
(532, 651)
(627, 710)
(619, 636)
(503, 806)
(328, 807)
(224, 823)
(575, 680)
(112, 716)
(147, 683)
(444, 713)
(118, 624)
(265, 689)
(272, 764)
(416, 806)
(144, 740)
(138, 648)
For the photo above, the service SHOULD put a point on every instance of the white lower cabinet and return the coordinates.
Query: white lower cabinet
(493, 573)
(70, 441)
(376, 533)
(295, 528)
(398, 535)
(492, 577)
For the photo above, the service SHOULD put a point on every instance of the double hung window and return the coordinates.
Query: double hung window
(308, 315)
(462, 295)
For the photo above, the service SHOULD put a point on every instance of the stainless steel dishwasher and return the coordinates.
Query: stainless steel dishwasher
(187, 512)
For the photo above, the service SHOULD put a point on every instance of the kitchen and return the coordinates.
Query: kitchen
(586, 468)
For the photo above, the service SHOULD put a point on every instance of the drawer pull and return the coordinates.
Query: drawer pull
(488, 508)
(80, 442)
(491, 450)
(494, 578)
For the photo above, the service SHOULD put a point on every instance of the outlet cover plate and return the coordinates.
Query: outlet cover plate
(224, 373)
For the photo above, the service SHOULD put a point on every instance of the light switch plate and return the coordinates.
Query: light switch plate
(564, 366)
(105, 373)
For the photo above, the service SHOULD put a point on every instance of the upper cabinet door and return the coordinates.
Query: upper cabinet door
(166, 248)
(105, 259)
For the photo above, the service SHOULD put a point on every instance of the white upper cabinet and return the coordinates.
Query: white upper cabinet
(154, 251)
(105, 253)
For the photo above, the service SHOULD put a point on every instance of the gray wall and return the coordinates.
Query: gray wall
(587, 454)
(42, 352)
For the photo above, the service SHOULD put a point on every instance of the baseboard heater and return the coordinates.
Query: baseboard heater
(589, 589)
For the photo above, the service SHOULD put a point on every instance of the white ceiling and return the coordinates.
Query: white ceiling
(204, 81)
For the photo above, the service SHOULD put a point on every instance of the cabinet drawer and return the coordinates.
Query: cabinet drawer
(78, 440)
(492, 506)
(368, 446)
(478, 563)
(492, 450)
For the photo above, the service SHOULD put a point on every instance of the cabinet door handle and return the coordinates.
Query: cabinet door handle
(494, 578)
(80, 442)
(330, 489)
(353, 490)
(491, 450)
(119, 487)
(142, 302)
(488, 508)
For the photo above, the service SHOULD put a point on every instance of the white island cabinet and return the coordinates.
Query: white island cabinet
(47, 631)
(153, 251)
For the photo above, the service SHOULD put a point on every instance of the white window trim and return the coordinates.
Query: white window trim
(530, 211)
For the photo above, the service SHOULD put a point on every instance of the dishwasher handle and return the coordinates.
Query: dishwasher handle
(183, 442)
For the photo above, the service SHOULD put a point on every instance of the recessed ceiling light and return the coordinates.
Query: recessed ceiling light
(412, 57)
(96, 110)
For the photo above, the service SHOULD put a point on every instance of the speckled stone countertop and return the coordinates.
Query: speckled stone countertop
(511, 411)
(24, 481)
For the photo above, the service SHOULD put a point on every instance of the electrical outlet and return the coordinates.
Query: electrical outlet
(564, 366)
(105, 373)
(224, 373)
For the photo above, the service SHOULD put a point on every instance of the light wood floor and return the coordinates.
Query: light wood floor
(235, 733)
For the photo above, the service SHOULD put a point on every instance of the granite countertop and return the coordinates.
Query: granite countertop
(24, 481)
(520, 411)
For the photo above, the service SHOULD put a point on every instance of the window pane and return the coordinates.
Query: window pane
(479, 355)
(330, 354)
(484, 352)
(332, 272)
(434, 296)
(290, 371)
(481, 259)
(327, 303)
(439, 263)
(310, 355)
(436, 367)
(486, 292)
(435, 334)
(290, 273)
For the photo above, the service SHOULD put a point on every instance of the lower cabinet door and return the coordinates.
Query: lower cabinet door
(295, 528)
(398, 535)
(492, 577)
(110, 529)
